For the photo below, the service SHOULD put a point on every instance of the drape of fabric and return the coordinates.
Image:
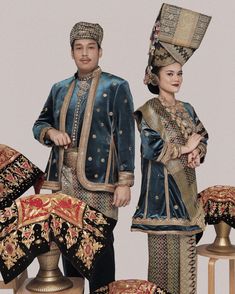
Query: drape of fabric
(168, 201)
(219, 204)
(30, 223)
(173, 263)
(133, 286)
(17, 174)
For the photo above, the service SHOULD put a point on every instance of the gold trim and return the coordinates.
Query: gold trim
(43, 134)
(82, 149)
(51, 185)
(109, 160)
(125, 179)
(166, 186)
(161, 222)
(63, 114)
(202, 149)
(147, 192)
(187, 233)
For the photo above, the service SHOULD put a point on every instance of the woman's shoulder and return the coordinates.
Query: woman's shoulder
(186, 104)
(151, 103)
(188, 107)
(147, 111)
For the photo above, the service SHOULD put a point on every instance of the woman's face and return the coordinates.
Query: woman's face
(170, 78)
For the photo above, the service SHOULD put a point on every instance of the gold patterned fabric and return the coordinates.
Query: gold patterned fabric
(86, 30)
(101, 201)
(176, 34)
(132, 286)
(173, 263)
(29, 224)
(219, 204)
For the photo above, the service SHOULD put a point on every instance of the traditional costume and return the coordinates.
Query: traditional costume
(96, 112)
(168, 208)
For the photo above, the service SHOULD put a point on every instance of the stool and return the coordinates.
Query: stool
(16, 283)
(213, 257)
(78, 286)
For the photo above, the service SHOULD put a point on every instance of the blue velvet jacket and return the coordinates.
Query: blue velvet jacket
(168, 201)
(106, 136)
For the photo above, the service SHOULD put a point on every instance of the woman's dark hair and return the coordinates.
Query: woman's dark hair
(154, 88)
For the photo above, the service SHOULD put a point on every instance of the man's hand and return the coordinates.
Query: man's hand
(59, 138)
(122, 196)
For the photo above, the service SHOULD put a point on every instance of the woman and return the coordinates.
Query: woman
(173, 144)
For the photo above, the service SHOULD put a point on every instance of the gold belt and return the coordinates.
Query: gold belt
(70, 157)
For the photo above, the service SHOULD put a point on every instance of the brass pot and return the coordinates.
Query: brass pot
(222, 243)
(49, 278)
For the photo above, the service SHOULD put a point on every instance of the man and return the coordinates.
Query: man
(87, 119)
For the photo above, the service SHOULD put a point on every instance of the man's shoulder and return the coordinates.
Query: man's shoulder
(64, 83)
(113, 78)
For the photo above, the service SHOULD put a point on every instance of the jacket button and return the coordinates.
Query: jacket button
(89, 158)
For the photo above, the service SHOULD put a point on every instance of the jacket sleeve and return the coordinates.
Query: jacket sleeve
(124, 134)
(153, 147)
(200, 129)
(45, 121)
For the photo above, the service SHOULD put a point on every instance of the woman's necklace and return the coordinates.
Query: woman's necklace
(179, 115)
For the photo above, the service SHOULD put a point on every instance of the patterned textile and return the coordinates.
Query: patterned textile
(176, 34)
(85, 30)
(219, 204)
(17, 174)
(131, 287)
(102, 201)
(172, 262)
(29, 225)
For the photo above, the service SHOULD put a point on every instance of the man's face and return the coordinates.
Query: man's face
(86, 55)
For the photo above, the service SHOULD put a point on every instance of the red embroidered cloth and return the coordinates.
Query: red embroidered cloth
(17, 174)
(131, 286)
(30, 223)
(219, 204)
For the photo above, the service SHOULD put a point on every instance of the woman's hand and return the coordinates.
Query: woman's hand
(58, 138)
(192, 143)
(194, 158)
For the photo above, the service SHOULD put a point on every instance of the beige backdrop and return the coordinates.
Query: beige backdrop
(35, 53)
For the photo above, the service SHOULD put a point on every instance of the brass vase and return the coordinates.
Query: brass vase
(49, 278)
(222, 243)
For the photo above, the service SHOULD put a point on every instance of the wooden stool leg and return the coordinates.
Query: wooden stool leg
(231, 276)
(211, 275)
